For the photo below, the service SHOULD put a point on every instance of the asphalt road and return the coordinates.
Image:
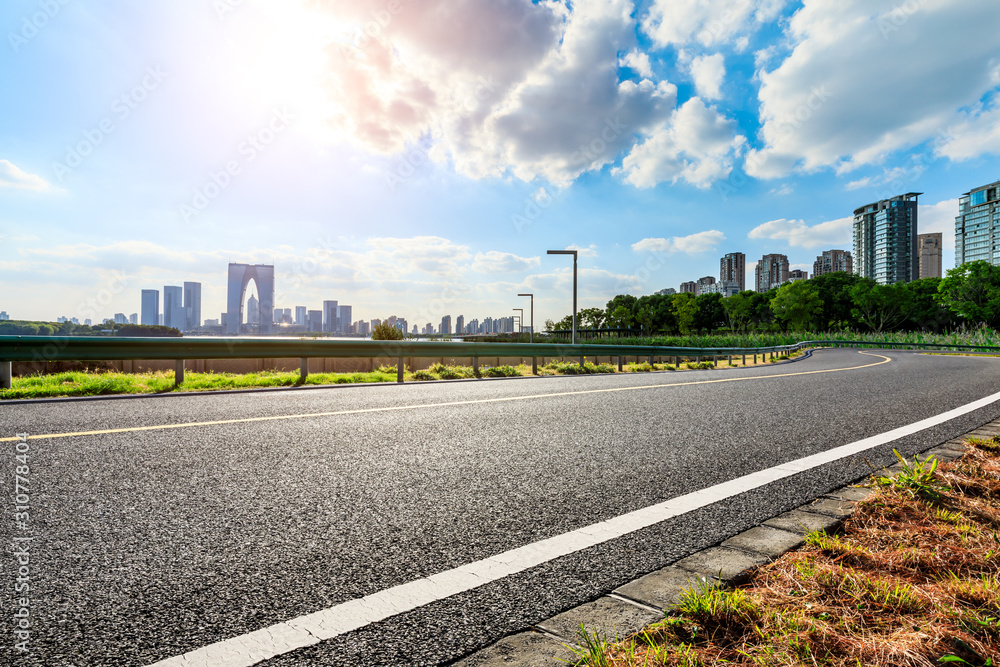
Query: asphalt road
(151, 543)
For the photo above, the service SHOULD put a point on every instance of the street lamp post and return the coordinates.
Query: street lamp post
(520, 321)
(569, 252)
(531, 334)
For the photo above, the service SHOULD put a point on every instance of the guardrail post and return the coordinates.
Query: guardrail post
(744, 360)
(754, 358)
(5, 374)
(399, 369)
(651, 361)
(303, 369)
(178, 372)
(620, 370)
(475, 366)
(581, 361)
(534, 365)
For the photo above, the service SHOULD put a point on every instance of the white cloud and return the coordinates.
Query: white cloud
(11, 176)
(503, 262)
(697, 145)
(835, 233)
(866, 78)
(694, 243)
(708, 22)
(590, 251)
(709, 72)
(976, 133)
(638, 62)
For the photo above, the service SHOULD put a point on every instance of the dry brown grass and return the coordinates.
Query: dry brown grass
(908, 582)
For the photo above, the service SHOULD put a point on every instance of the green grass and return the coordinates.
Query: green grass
(982, 336)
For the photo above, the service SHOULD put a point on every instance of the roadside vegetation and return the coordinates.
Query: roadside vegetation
(105, 382)
(967, 300)
(913, 579)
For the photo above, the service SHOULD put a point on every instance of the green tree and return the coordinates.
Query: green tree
(685, 307)
(591, 318)
(834, 289)
(385, 331)
(739, 310)
(881, 307)
(626, 301)
(927, 312)
(973, 291)
(658, 317)
(711, 314)
(147, 331)
(797, 305)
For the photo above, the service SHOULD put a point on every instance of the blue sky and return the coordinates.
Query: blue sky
(418, 158)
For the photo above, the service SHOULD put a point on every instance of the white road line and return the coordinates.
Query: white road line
(310, 629)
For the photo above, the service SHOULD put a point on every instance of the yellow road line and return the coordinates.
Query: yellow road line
(248, 420)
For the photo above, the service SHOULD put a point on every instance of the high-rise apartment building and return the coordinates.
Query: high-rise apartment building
(120, 318)
(929, 251)
(690, 287)
(315, 320)
(4, 316)
(133, 318)
(150, 307)
(344, 318)
(832, 261)
(253, 310)
(703, 284)
(771, 271)
(192, 306)
(301, 316)
(173, 307)
(446, 324)
(733, 269)
(797, 274)
(460, 324)
(330, 323)
(977, 222)
(885, 240)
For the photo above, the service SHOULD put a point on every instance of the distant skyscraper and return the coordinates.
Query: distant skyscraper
(797, 274)
(150, 307)
(315, 319)
(173, 307)
(301, 316)
(133, 318)
(278, 315)
(239, 279)
(885, 240)
(4, 316)
(832, 261)
(345, 317)
(733, 268)
(977, 222)
(330, 316)
(929, 250)
(690, 287)
(253, 310)
(771, 271)
(446, 324)
(192, 305)
(120, 318)
(703, 284)
(460, 324)
(286, 315)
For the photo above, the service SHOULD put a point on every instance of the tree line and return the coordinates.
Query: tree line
(106, 328)
(967, 295)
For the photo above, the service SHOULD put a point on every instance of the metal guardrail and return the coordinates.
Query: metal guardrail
(87, 348)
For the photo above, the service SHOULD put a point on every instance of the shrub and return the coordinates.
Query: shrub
(644, 367)
(424, 375)
(500, 371)
(383, 331)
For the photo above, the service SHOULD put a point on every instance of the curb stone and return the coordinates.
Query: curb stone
(634, 605)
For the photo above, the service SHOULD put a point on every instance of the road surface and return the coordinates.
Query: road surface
(162, 525)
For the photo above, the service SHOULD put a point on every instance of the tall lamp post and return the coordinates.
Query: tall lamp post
(520, 320)
(569, 252)
(531, 333)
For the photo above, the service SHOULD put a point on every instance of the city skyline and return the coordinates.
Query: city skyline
(651, 136)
